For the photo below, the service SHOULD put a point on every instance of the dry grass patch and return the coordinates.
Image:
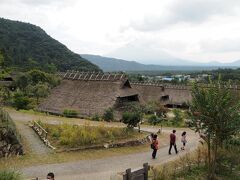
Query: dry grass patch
(71, 136)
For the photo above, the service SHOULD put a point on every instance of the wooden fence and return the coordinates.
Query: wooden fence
(42, 133)
(140, 174)
(40, 130)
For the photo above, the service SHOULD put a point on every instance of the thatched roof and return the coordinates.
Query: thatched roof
(87, 93)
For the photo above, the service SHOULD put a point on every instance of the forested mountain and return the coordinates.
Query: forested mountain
(25, 45)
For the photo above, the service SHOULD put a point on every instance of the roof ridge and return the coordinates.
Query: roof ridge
(92, 76)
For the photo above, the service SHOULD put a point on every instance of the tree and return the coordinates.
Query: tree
(40, 90)
(132, 119)
(1, 60)
(215, 115)
(153, 119)
(133, 115)
(178, 117)
(108, 115)
(23, 81)
(20, 101)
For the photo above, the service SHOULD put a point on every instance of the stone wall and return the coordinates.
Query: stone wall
(9, 139)
(9, 143)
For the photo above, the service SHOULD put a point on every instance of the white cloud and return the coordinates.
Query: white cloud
(186, 11)
(187, 29)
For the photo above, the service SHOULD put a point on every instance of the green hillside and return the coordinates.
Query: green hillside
(24, 45)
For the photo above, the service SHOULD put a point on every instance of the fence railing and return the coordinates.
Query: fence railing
(40, 130)
(140, 174)
(42, 133)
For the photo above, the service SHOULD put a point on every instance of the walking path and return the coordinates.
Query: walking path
(32, 139)
(101, 169)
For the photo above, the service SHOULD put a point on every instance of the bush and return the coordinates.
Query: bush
(20, 101)
(178, 117)
(155, 107)
(70, 113)
(132, 119)
(108, 115)
(153, 119)
(96, 117)
(10, 175)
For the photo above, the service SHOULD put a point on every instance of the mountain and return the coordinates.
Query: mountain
(24, 45)
(150, 52)
(235, 63)
(113, 64)
(144, 51)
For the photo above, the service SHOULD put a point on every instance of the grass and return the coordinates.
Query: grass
(30, 115)
(10, 175)
(191, 166)
(66, 135)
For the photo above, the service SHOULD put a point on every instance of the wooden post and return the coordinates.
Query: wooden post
(129, 174)
(145, 166)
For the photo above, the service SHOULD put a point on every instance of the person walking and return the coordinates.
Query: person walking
(150, 137)
(154, 146)
(183, 140)
(50, 176)
(173, 142)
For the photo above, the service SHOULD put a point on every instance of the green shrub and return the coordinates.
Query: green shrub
(96, 117)
(70, 113)
(153, 119)
(108, 115)
(10, 175)
(20, 101)
(132, 119)
(178, 117)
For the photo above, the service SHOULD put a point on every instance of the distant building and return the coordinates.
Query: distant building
(167, 78)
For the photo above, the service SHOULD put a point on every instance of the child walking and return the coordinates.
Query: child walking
(183, 140)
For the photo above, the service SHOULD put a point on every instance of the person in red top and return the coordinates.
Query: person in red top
(155, 146)
(173, 142)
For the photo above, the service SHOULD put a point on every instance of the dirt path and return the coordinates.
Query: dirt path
(33, 141)
(18, 116)
(101, 169)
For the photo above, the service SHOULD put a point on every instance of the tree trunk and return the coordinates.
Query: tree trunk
(209, 156)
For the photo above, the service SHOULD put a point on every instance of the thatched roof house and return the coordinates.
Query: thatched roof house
(89, 93)
(169, 95)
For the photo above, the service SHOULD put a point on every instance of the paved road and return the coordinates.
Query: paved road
(102, 169)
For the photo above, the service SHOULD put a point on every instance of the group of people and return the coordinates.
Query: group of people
(155, 143)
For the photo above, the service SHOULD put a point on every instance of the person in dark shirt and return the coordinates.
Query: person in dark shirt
(155, 146)
(173, 142)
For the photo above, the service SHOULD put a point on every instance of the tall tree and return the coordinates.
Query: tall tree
(215, 115)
